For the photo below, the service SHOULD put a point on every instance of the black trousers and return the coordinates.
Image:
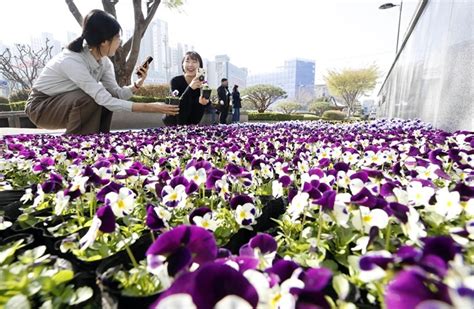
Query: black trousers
(224, 113)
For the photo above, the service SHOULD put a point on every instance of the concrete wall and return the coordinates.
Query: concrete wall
(432, 76)
(123, 120)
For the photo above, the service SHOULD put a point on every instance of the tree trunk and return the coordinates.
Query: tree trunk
(126, 56)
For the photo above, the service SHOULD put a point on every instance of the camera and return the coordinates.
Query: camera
(202, 74)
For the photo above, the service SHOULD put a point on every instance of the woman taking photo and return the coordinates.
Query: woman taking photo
(77, 90)
(188, 88)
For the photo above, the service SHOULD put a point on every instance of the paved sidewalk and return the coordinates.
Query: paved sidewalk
(16, 131)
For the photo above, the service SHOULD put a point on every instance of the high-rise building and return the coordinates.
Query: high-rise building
(321, 91)
(166, 59)
(296, 77)
(38, 42)
(221, 67)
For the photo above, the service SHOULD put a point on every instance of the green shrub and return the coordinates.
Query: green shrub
(154, 90)
(320, 107)
(4, 107)
(146, 99)
(19, 95)
(279, 117)
(17, 106)
(334, 115)
(3, 100)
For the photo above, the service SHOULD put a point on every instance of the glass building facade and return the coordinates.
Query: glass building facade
(296, 77)
(432, 75)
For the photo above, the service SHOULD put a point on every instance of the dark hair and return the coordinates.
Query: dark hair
(193, 56)
(235, 88)
(223, 80)
(97, 27)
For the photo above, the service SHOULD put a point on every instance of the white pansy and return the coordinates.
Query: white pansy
(74, 171)
(233, 157)
(427, 172)
(28, 196)
(246, 213)
(89, 238)
(350, 158)
(340, 211)
(198, 176)
(303, 166)
(206, 222)
(104, 173)
(122, 203)
(298, 205)
(364, 218)
(374, 158)
(4, 224)
(356, 185)
(277, 189)
(266, 171)
(414, 229)
(162, 213)
(419, 195)
(79, 183)
(361, 244)
(344, 179)
(60, 202)
(447, 204)
(39, 197)
(176, 195)
(278, 168)
(401, 195)
(261, 284)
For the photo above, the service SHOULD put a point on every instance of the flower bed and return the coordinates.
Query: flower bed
(290, 214)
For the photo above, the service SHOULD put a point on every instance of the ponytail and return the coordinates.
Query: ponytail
(76, 45)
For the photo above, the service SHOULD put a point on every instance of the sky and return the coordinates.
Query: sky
(257, 34)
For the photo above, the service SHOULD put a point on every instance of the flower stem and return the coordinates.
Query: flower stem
(320, 227)
(302, 224)
(130, 255)
(387, 236)
(152, 236)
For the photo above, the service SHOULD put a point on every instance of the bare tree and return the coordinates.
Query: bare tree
(22, 66)
(126, 56)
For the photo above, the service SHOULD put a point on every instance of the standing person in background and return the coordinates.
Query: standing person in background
(77, 90)
(224, 95)
(237, 104)
(188, 87)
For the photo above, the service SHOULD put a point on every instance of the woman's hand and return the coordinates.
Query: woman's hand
(156, 107)
(195, 83)
(144, 73)
(203, 101)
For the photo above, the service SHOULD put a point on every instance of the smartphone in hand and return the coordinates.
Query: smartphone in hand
(145, 64)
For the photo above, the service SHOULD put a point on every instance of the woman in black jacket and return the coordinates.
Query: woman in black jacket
(236, 101)
(188, 88)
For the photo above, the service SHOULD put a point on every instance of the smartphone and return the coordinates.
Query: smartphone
(145, 64)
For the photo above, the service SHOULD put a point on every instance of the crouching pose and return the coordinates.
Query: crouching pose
(77, 90)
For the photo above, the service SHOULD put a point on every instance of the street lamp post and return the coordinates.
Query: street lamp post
(389, 6)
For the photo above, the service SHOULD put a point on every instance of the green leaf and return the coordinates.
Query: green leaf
(82, 294)
(63, 276)
(18, 301)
